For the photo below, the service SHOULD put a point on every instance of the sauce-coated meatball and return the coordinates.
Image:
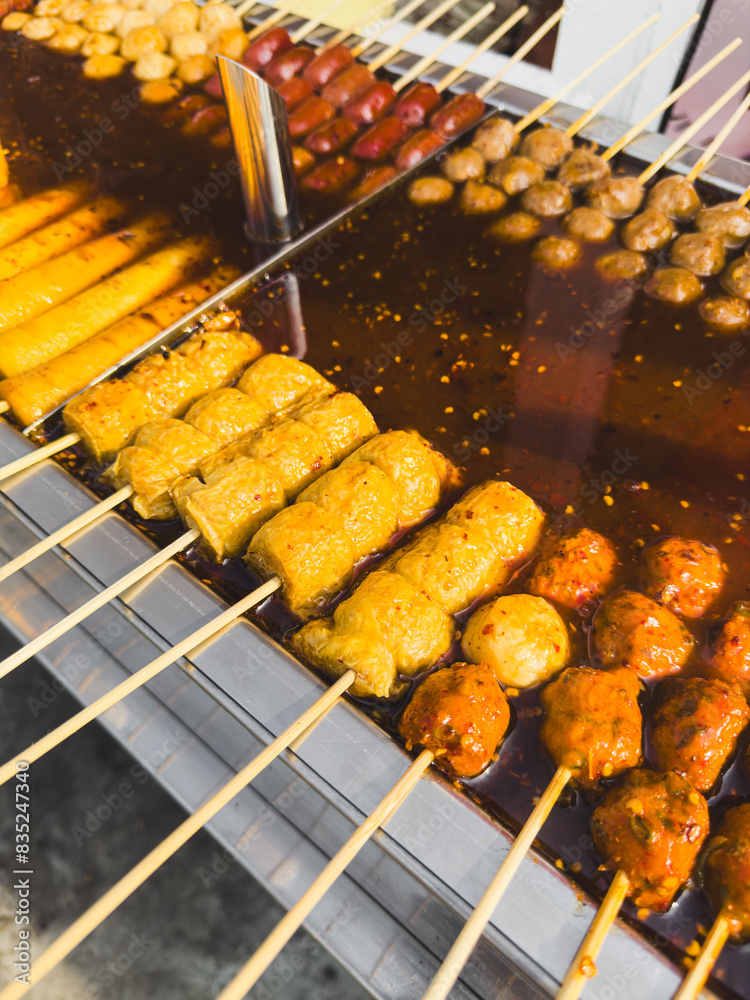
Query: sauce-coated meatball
(459, 713)
(729, 220)
(576, 569)
(649, 230)
(430, 191)
(730, 646)
(495, 139)
(676, 197)
(695, 726)
(631, 630)
(684, 575)
(625, 264)
(557, 252)
(548, 146)
(464, 165)
(726, 869)
(522, 638)
(515, 228)
(652, 827)
(582, 167)
(736, 278)
(592, 723)
(617, 197)
(722, 313)
(674, 284)
(588, 224)
(477, 198)
(547, 199)
(701, 253)
(516, 174)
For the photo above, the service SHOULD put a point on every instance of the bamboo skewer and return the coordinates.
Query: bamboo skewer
(583, 966)
(282, 11)
(744, 198)
(463, 29)
(586, 117)
(521, 52)
(669, 100)
(38, 455)
(353, 29)
(315, 22)
(487, 43)
(247, 5)
(464, 944)
(138, 679)
(281, 934)
(387, 54)
(701, 969)
(708, 154)
(90, 920)
(399, 16)
(4, 406)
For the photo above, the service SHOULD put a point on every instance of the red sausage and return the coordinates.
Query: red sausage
(213, 87)
(314, 112)
(177, 113)
(372, 104)
(457, 115)
(206, 120)
(331, 176)
(260, 52)
(378, 141)
(374, 179)
(288, 64)
(332, 137)
(348, 85)
(416, 104)
(295, 91)
(417, 148)
(302, 160)
(327, 65)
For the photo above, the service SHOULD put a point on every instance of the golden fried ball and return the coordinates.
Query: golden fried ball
(477, 198)
(192, 43)
(154, 66)
(179, 19)
(557, 251)
(157, 7)
(430, 191)
(143, 42)
(73, 12)
(196, 69)
(231, 43)
(100, 67)
(100, 43)
(103, 16)
(15, 20)
(68, 39)
(215, 18)
(160, 91)
(134, 19)
(49, 8)
(39, 29)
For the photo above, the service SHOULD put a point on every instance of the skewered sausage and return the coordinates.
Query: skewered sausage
(575, 570)
(416, 104)
(547, 199)
(674, 284)
(516, 174)
(676, 197)
(477, 198)
(728, 220)
(328, 64)
(582, 168)
(592, 723)
(332, 136)
(463, 165)
(379, 140)
(730, 645)
(736, 278)
(311, 114)
(205, 121)
(701, 253)
(261, 51)
(371, 104)
(347, 85)
(430, 191)
(556, 251)
(456, 115)
(460, 714)
(332, 176)
(726, 869)
(547, 146)
(515, 228)
(622, 264)
(727, 314)
(649, 230)
(521, 637)
(495, 139)
(682, 574)
(417, 148)
(287, 64)
(294, 92)
(374, 179)
(617, 197)
(588, 224)
(633, 631)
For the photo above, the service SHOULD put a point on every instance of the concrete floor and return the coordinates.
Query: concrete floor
(175, 938)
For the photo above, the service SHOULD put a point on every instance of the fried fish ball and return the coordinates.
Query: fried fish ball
(464, 165)
(231, 43)
(430, 191)
(547, 199)
(617, 197)
(143, 42)
(49, 8)
(726, 869)
(196, 69)
(15, 20)
(701, 253)
(631, 630)
(548, 146)
(522, 638)
(729, 220)
(134, 19)
(676, 197)
(103, 16)
(68, 39)
(729, 650)
(73, 12)
(625, 264)
(160, 91)
(157, 7)
(215, 18)
(99, 43)
(39, 29)
(682, 574)
(516, 174)
(649, 230)
(592, 723)
(557, 252)
(588, 224)
(582, 167)
(459, 713)
(575, 569)
(674, 284)
(695, 726)
(100, 67)
(192, 43)
(154, 66)
(736, 278)
(477, 198)
(180, 18)
(515, 228)
(495, 139)
(727, 314)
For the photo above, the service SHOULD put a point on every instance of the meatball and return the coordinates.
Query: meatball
(631, 630)
(729, 220)
(592, 723)
(730, 315)
(430, 191)
(651, 827)
(682, 574)
(521, 637)
(557, 252)
(588, 224)
(676, 197)
(548, 146)
(736, 278)
(464, 165)
(725, 871)
(674, 284)
(695, 727)
(515, 228)
(582, 167)
(495, 139)
(547, 199)
(516, 174)
(701, 253)
(617, 197)
(477, 198)
(649, 230)
(459, 713)
(622, 264)
(729, 651)
(575, 570)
